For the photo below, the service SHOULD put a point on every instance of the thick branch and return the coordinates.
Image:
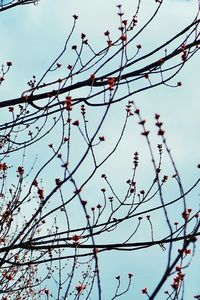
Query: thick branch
(94, 83)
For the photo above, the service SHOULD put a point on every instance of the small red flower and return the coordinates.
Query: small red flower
(84, 203)
(137, 111)
(125, 22)
(175, 285)
(35, 182)
(142, 122)
(47, 292)
(188, 251)
(58, 181)
(76, 123)
(3, 166)
(20, 170)
(41, 193)
(158, 124)
(186, 214)
(96, 250)
(184, 56)
(80, 288)
(134, 21)
(130, 275)
(109, 43)
(11, 109)
(68, 102)
(161, 132)
(9, 276)
(106, 33)
(165, 177)
(92, 77)
(145, 291)
(161, 61)
(76, 238)
(123, 38)
(102, 138)
(16, 257)
(145, 133)
(111, 82)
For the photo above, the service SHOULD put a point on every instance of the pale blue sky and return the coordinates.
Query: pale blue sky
(32, 37)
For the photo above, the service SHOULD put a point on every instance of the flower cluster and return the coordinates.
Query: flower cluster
(184, 53)
(186, 214)
(68, 103)
(41, 193)
(76, 239)
(3, 166)
(178, 279)
(20, 170)
(111, 82)
(159, 125)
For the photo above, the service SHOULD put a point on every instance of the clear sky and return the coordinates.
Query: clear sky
(33, 36)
